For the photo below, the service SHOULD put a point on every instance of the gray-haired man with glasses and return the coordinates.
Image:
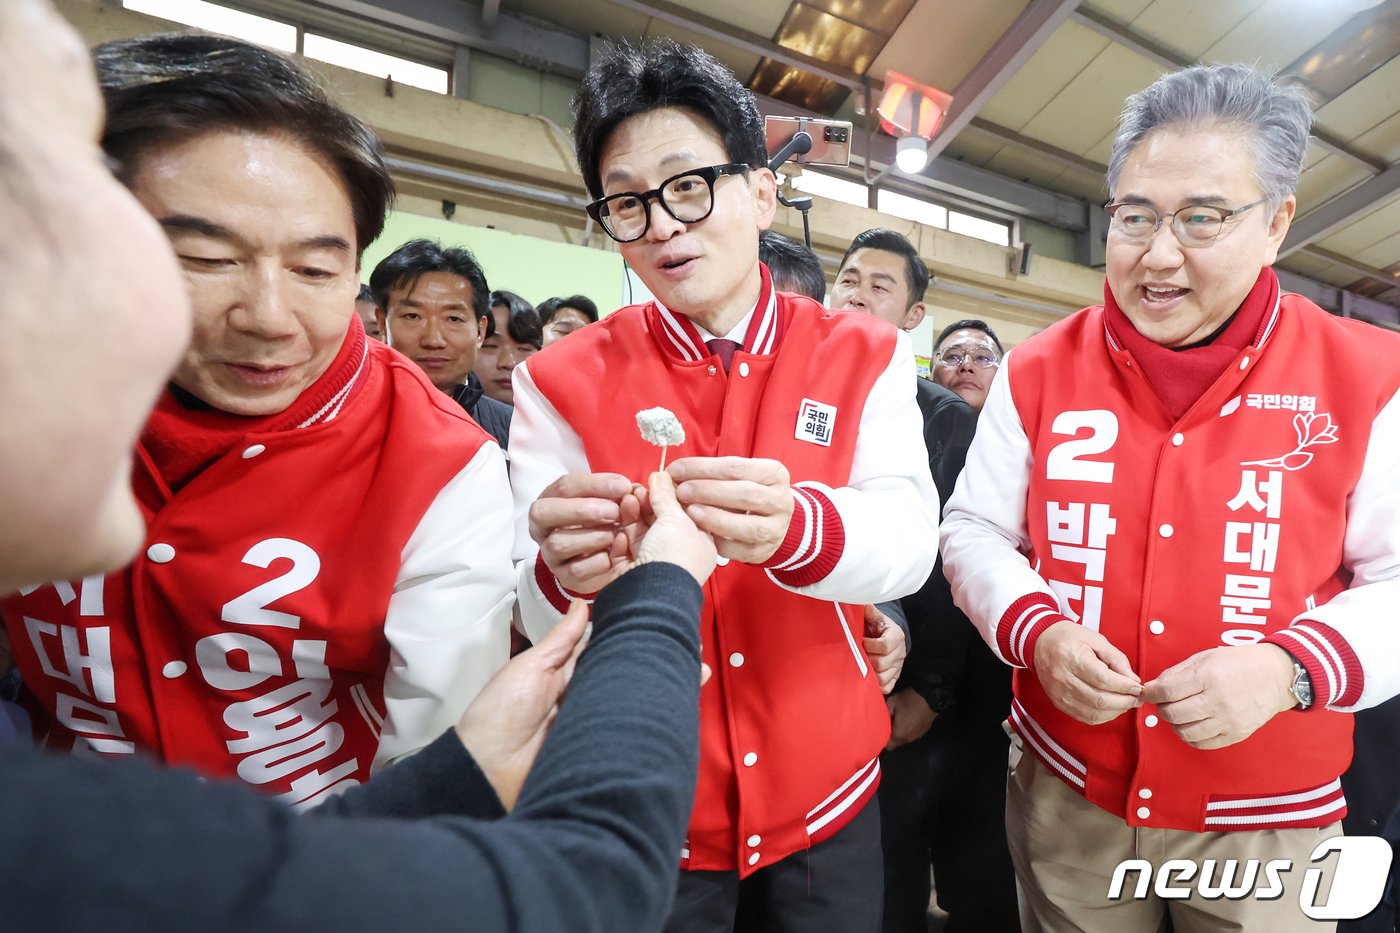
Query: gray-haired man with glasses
(1180, 523)
(802, 457)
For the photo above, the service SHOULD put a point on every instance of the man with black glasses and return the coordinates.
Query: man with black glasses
(802, 457)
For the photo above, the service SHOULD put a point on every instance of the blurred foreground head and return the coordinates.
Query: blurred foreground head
(92, 308)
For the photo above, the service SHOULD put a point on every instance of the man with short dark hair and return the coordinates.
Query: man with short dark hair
(513, 333)
(590, 842)
(801, 455)
(965, 359)
(793, 265)
(560, 317)
(882, 274)
(432, 309)
(287, 623)
(367, 308)
(942, 796)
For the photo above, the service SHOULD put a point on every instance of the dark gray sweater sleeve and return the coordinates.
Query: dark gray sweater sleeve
(444, 781)
(592, 845)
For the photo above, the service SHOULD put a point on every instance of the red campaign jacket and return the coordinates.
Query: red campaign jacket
(248, 637)
(793, 721)
(1268, 512)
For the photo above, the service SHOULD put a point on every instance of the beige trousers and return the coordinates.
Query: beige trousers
(1066, 851)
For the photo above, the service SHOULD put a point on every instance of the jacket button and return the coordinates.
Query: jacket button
(721, 560)
(161, 553)
(753, 859)
(1143, 813)
(250, 452)
(754, 841)
(173, 669)
(736, 660)
(712, 370)
(1145, 793)
(1150, 721)
(750, 759)
(1178, 439)
(1166, 531)
(1244, 364)
(1156, 627)
(743, 369)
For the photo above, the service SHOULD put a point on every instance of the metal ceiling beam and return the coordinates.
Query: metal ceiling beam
(490, 14)
(1341, 210)
(1118, 33)
(1027, 34)
(1035, 147)
(512, 37)
(1360, 268)
(1016, 198)
(968, 183)
(745, 41)
(1169, 60)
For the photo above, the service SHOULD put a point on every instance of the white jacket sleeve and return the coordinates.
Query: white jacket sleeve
(985, 535)
(448, 623)
(543, 448)
(1351, 644)
(887, 513)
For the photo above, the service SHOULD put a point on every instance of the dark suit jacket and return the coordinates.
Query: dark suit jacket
(948, 663)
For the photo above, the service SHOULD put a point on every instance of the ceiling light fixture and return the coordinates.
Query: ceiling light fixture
(911, 154)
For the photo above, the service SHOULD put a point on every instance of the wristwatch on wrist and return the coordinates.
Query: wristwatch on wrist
(1302, 688)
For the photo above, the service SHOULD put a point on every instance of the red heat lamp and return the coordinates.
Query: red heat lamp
(911, 112)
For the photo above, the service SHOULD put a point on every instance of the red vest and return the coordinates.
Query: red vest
(792, 723)
(247, 637)
(1173, 537)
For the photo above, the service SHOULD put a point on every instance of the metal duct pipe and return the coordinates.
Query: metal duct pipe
(498, 186)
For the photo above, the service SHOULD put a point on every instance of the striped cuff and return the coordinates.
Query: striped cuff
(1337, 678)
(555, 593)
(1022, 624)
(814, 542)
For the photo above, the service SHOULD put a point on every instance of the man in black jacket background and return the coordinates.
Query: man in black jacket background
(434, 309)
(943, 789)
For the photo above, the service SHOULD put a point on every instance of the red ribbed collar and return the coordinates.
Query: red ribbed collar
(678, 336)
(181, 440)
(1181, 377)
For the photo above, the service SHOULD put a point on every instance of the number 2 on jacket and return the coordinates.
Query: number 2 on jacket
(287, 730)
(1079, 531)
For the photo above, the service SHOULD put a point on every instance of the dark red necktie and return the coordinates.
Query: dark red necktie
(724, 349)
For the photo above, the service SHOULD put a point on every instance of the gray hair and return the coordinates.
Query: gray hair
(1277, 116)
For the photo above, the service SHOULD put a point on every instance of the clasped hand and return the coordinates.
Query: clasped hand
(589, 525)
(1212, 699)
(506, 724)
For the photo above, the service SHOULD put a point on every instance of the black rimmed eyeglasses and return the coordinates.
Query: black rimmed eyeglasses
(688, 197)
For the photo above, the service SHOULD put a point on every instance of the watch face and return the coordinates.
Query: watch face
(1302, 686)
